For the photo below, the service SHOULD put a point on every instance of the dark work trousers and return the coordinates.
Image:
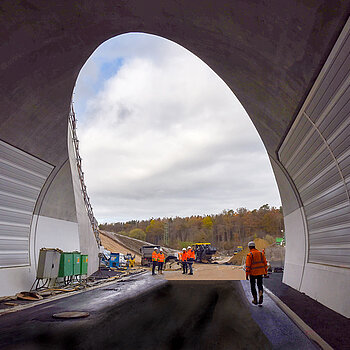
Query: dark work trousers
(160, 266)
(259, 282)
(184, 267)
(155, 264)
(190, 263)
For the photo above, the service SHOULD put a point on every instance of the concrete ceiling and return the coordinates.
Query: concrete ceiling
(268, 52)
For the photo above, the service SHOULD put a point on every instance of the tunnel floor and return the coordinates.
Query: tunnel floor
(167, 315)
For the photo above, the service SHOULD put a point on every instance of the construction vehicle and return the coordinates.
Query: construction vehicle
(146, 254)
(204, 252)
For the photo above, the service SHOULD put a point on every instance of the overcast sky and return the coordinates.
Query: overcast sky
(162, 135)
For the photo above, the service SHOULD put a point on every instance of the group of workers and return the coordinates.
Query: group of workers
(187, 258)
(158, 259)
(256, 267)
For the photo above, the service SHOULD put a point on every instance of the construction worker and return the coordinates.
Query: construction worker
(161, 259)
(256, 267)
(191, 256)
(154, 260)
(184, 261)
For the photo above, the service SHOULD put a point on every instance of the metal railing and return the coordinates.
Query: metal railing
(94, 223)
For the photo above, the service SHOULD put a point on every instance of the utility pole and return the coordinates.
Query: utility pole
(166, 233)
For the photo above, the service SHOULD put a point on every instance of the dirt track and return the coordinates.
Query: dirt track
(114, 246)
(208, 272)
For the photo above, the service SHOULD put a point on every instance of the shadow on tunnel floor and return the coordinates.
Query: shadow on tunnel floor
(327, 323)
(199, 315)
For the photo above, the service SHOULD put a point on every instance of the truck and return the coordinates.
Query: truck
(146, 254)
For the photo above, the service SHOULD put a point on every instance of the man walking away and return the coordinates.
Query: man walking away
(184, 261)
(161, 258)
(191, 256)
(154, 260)
(256, 267)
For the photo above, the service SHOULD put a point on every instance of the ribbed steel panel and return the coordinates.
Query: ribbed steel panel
(316, 154)
(22, 177)
(10, 244)
(15, 258)
(13, 230)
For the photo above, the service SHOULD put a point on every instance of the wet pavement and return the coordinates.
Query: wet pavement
(276, 325)
(146, 312)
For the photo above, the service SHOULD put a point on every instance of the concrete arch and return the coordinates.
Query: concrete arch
(270, 55)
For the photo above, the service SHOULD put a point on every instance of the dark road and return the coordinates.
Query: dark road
(145, 313)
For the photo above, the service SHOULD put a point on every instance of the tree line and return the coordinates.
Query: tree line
(226, 230)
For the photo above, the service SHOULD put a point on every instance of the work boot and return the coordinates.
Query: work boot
(261, 298)
(254, 301)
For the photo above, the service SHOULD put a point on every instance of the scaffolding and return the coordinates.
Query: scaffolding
(93, 221)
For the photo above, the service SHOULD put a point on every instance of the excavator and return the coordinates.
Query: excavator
(204, 252)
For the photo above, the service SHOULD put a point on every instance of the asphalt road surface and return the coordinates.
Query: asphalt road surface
(148, 312)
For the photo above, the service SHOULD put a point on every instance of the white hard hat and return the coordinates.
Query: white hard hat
(183, 248)
(189, 247)
(161, 249)
(155, 248)
(251, 244)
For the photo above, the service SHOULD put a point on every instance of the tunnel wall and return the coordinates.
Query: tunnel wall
(51, 220)
(268, 53)
(315, 155)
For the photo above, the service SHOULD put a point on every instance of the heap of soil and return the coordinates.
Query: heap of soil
(239, 258)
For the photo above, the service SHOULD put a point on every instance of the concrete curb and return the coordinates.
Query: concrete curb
(307, 330)
(65, 295)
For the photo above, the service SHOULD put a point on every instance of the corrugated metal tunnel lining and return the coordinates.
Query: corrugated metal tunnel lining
(316, 154)
(21, 179)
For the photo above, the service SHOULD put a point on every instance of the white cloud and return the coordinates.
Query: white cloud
(165, 136)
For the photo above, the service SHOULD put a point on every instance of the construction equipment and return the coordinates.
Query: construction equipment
(130, 260)
(204, 252)
(146, 254)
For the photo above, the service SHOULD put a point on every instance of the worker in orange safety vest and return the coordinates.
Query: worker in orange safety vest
(161, 259)
(154, 260)
(183, 259)
(191, 256)
(256, 268)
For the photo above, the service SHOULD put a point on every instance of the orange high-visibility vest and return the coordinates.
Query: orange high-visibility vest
(161, 257)
(154, 256)
(184, 256)
(191, 254)
(256, 263)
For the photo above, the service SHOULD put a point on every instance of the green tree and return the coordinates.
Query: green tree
(138, 234)
(207, 223)
(155, 231)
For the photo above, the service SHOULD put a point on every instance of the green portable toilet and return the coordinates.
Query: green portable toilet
(66, 265)
(76, 263)
(84, 264)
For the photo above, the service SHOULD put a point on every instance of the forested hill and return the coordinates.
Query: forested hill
(226, 230)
